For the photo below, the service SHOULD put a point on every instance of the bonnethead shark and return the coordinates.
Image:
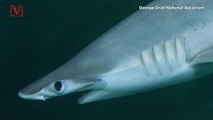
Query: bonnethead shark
(150, 49)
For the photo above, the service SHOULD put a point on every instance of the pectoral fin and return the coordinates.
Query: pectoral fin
(203, 57)
(94, 96)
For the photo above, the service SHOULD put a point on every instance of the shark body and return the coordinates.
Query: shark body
(150, 49)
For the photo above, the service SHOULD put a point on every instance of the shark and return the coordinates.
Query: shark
(150, 49)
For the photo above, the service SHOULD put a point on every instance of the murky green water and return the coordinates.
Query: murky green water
(52, 32)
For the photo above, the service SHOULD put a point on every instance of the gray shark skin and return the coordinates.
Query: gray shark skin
(150, 49)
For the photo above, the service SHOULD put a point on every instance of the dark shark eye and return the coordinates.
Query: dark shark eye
(59, 87)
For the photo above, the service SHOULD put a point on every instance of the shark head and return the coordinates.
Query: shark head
(44, 89)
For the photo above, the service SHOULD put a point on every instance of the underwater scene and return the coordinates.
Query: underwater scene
(113, 74)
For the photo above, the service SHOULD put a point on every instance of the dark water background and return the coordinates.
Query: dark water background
(52, 32)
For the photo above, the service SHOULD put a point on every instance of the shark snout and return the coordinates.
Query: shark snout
(31, 97)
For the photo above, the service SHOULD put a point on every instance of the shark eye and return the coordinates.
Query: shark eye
(59, 87)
